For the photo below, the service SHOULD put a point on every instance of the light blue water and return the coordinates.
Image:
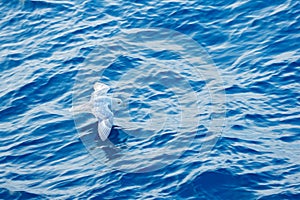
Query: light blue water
(46, 152)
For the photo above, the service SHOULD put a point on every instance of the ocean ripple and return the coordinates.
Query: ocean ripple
(255, 47)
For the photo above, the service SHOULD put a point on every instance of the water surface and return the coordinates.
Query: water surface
(254, 46)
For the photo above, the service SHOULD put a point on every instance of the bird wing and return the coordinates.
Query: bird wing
(101, 88)
(104, 128)
(105, 123)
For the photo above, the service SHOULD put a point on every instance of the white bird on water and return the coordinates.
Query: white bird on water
(102, 107)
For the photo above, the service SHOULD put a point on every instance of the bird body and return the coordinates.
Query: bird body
(101, 106)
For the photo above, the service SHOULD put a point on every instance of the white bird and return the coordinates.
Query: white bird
(102, 107)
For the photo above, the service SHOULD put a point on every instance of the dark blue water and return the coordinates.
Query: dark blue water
(254, 47)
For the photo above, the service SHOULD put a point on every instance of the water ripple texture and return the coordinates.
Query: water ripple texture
(254, 46)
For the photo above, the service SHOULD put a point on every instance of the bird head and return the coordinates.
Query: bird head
(117, 104)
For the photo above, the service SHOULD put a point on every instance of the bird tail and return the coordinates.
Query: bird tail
(81, 108)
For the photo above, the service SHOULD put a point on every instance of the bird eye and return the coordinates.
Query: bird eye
(119, 102)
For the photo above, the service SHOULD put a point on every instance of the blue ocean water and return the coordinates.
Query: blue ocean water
(45, 45)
